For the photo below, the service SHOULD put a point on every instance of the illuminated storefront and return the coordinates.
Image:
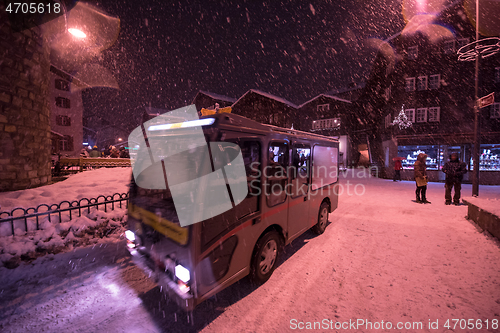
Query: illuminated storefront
(438, 155)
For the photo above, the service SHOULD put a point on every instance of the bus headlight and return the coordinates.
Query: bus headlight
(130, 235)
(182, 273)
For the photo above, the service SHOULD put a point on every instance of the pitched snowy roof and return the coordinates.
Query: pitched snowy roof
(358, 85)
(56, 133)
(268, 95)
(325, 95)
(153, 111)
(217, 96)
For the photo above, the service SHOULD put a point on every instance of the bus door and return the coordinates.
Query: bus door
(275, 174)
(299, 174)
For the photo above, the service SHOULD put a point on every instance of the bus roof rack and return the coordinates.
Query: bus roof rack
(296, 132)
(256, 125)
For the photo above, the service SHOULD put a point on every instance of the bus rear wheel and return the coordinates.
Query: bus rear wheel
(265, 257)
(320, 227)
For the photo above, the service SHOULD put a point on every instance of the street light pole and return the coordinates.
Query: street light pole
(478, 50)
(477, 119)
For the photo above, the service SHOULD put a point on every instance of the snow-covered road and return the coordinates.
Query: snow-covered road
(382, 257)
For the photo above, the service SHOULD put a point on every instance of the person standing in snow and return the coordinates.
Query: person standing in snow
(95, 152)
(398, 166)
(84, 153)
(114, 152)
(455, 171)
(420, 170)
(124, 153)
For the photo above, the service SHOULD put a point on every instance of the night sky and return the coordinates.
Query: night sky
(168, 50)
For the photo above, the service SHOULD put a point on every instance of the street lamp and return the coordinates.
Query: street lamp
(477, 50)
(77, 33)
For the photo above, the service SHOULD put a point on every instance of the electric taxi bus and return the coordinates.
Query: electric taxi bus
(290, 187)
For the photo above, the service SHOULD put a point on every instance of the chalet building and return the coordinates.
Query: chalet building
(66, 118)
(351, 92)
(435, 91)
(267, 109)
(330, 116)
(368, 100)
(207, 100)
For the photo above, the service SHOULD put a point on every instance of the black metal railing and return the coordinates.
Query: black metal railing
(69, 207)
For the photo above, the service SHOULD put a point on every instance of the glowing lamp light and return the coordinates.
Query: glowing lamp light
(182, 273)
(120, 139)
(130, 235)
(190, 123)
(77, 33)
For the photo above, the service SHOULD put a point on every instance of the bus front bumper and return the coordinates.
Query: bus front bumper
(184, 300)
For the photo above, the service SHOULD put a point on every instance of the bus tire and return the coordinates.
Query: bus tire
(265, 257)
(320, 227)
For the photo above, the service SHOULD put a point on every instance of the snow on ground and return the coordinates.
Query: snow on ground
(87, 184)
(382, 257)
(491, 205)
(54, 237)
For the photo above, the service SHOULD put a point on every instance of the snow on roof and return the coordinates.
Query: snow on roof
(153, 111)
(325, 95)
(54, 132)
(268, 95)
(217, 96)
(358, 85)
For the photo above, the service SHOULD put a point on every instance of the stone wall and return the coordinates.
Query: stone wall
(24, 107)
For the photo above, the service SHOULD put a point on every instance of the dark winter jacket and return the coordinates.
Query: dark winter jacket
(420, 168)
(95, 153)
(454, 170)
(398, 165)
(124, 154)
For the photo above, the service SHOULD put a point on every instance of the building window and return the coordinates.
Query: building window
(331, 123)
(434, 81)
(462, 42)
(63, 102)
(422, 83)
(388, 120)
(410, 114)
(257, 105)
(490, 157)
(421, 115)
(497, 74)
(63, 121)
(449, 46)
(433, 114)
(410, 84)
(413, 52)
(323, 107)
(410, 153)
(495, 111)
(66, 143)
(62, 85)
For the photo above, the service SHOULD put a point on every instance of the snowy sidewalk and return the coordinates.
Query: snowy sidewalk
(382, 257)
(87, 184)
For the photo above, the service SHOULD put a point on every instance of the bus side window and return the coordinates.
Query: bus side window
(275, 173)
(325, 166)
(300, 170)
(250, 151)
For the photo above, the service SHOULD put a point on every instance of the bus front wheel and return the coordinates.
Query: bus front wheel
(320, 227)
(265, 257)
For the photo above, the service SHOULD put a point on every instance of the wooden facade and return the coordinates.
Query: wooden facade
(267, 109)
(436, 92)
